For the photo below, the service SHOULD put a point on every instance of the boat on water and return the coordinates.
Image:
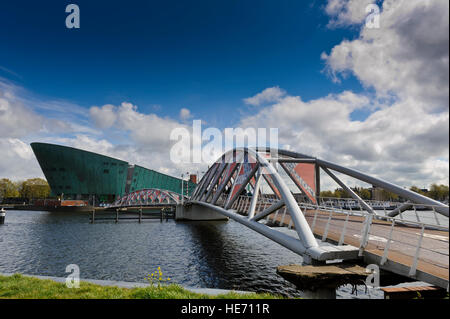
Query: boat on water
(53, 205)
(382, 205)
(2, 215)
(349, 204)
(67, 206)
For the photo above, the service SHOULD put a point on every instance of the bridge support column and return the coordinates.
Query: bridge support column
(321, 282)
(197, 212)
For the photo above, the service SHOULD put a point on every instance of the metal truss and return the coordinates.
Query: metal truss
(241, 169)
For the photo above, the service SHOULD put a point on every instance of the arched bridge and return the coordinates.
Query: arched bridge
(148, 197)
(264, 187)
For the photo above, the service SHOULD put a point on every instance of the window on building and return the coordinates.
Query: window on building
(106, 171)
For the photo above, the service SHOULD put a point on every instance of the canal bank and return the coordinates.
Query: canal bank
(132, 285)
(222, 255)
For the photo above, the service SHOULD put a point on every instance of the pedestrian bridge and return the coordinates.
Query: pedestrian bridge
(148, 197)
(260, 188)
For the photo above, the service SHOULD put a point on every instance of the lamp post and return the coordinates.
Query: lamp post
(182, 193)
(182, 187)
(187, 184)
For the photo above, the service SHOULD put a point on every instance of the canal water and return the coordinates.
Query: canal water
(224, 255)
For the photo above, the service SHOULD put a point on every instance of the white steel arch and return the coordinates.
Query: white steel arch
(148, 197)
(231, 174)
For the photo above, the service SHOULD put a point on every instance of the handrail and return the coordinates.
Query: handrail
(379, 217)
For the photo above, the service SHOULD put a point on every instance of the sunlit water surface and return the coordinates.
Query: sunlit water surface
(224, 255)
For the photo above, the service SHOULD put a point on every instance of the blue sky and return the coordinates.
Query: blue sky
(374, 99)
(165, 55)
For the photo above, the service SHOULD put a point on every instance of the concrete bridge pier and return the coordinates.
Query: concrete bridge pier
(197, 212)
(321, 281)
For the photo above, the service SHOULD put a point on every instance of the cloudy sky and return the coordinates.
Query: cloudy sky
(374, 99)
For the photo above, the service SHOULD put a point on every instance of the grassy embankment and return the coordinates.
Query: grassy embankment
(22, 287)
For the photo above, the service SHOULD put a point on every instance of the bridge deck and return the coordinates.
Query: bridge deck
(433, 256)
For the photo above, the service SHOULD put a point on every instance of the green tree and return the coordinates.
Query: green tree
(35, 188)
(8, 188)
(326, 194)
(439, 192)
(340, 193)
(364, 193)
(417, 190)
(389, 196)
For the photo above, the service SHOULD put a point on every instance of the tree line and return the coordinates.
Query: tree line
(39, 188)
(436, 192)
(30, 188)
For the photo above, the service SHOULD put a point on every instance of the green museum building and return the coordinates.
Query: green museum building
(76, 174)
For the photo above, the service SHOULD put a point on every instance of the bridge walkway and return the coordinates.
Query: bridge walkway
(400, 247)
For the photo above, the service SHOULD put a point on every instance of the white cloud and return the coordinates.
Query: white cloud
(16, 120)
(347, 12)
(149, 141)
(398, 142)
(147, 130)
(272, 94)
(105, 116)
(406, 57)
(17, 160)
(185, 114)
(20, 114)
(19, 121)
(405, 139)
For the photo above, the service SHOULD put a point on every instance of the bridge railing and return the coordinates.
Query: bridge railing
(398, 240)
(371, 229)
(403, 211)
(416, 215)
(414, 247)
(398, 220)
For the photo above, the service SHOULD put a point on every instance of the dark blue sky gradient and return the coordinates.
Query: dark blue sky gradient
(202, 55)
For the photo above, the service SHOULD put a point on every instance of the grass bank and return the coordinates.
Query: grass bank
(23, 287)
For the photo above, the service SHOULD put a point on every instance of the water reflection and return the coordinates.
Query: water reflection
(223, 255)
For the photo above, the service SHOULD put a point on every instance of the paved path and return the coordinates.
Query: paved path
(433, 256)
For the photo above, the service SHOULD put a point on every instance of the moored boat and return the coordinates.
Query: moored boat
(2, 215)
